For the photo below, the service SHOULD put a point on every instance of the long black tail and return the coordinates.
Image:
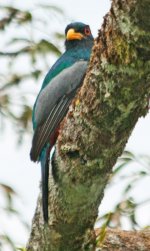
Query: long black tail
(45, 176)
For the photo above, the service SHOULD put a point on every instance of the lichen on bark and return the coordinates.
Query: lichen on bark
(114, 95)
(117, 240)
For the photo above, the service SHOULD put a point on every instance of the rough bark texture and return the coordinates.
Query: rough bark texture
(116, 240)
(114, 95)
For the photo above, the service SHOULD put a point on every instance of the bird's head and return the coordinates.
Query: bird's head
(78, 33)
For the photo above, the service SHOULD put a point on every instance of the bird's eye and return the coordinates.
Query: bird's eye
(87, 31)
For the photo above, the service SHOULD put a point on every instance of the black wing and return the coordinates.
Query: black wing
(43, 133)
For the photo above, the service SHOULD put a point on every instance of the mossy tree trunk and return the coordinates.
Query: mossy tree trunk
(115, 93)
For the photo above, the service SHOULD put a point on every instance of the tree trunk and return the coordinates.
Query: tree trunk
(115, 93)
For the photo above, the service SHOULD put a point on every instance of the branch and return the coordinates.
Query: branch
(114, 95)
(124, 240)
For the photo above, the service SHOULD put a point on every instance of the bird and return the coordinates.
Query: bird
(58, 89)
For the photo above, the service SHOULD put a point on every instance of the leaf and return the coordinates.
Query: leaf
(3, 22)
(127, 189)
(16, 40)
(52, 8)
(9, 8)
(101, 237)
(6, 238)
(59, 36)
(26, 116)
(128, 154)
(4, 100)
(119, 168)
(143, 173)
(10, 210)
(44, 46)
(14, 14)
(23, 17)
(7, 189)
(125, 159)
(24, 50)
(14, 80)
(133, 220)
(9, 194)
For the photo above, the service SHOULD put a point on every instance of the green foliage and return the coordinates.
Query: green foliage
(8, 210)
(14, 14)
(9, 193)
(128, 205)
(25, 55)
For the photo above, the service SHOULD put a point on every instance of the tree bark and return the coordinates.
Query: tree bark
(115, 93)
(117, 240)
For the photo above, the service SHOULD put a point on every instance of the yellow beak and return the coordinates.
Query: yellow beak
(72, 34)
